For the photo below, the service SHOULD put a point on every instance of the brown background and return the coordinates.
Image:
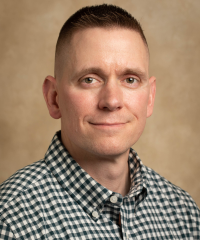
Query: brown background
(170, 143)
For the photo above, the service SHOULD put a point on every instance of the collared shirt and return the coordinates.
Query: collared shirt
(56, 199)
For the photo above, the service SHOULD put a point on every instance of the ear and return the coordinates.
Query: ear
(152, 93)
(51, 96)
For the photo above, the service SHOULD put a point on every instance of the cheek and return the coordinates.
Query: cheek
(137, 101)
(76, 104)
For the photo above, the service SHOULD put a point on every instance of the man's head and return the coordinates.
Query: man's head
(103, 16)
(104, 94)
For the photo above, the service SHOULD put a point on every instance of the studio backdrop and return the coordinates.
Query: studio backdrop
(170, 143)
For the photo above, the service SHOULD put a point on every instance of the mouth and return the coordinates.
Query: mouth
(104, 125)
(107, 124)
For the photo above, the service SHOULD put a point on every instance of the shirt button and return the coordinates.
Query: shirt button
(113, 199)
(95, 214)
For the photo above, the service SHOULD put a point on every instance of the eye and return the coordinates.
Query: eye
(131, 80)
(89, 80)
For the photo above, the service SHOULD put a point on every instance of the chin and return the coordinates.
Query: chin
(109, 149)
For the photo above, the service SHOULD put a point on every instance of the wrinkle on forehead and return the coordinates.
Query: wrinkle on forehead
(108, 53)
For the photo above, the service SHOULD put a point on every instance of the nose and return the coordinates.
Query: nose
(111, 97)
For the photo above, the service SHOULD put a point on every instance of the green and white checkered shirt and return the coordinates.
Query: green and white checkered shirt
(56, 199)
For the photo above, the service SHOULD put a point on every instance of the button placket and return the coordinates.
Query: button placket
(124, 226)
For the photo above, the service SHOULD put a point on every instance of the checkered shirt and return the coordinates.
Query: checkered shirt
(56, 199)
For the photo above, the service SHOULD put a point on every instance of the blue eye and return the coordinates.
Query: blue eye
(131, 80)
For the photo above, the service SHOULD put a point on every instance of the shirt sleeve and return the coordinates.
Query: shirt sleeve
(6, 232)
(195, 211)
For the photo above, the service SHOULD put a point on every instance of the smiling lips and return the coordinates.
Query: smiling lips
(105, 124)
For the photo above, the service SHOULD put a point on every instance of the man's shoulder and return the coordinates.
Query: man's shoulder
(24, 179)
(169, 194)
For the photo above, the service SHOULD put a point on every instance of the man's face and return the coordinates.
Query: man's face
(105, 94)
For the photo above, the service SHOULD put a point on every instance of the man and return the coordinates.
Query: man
(91, 184)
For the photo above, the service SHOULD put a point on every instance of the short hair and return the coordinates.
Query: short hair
(104, 15)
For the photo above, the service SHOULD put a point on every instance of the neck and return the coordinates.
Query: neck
(112, 173)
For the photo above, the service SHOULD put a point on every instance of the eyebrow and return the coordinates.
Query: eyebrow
(101, 72)
(92, 70)
(134, 71)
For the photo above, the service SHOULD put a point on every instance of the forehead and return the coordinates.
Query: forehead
(108, 48)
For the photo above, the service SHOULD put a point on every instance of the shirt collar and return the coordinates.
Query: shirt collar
(88, 193)
(137, 174)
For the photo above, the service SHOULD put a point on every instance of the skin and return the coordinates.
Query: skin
(103, 99)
